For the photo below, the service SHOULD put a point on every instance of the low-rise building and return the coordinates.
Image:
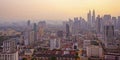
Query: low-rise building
(55, 54)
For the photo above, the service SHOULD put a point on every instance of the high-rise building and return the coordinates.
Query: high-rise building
(76, 25)
(32, 37)
(54, 43)
(60, 33)
(86, 43)
(67, 30)
(106, 18)
(28, 23)
(93, 19)
(109, 35)
(35, 32)
(83, 24)
(27, 33)
(21, 40)
(114, 20)
(9, 50)
(98, 24)
(89, 18)
(118, 23)
(9, 56)
(70, 22)
(42, 24)
(9, 46)
(41, 29)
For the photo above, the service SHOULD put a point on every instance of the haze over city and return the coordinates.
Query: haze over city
(17, 10)
(59, 29)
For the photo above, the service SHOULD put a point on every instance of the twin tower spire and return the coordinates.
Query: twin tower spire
(91, 18)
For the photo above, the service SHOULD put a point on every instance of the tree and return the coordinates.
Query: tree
(33, 59)
(77, 56)
(24, 59)
(53, 58)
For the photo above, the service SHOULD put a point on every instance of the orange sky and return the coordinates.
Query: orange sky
(55, 9)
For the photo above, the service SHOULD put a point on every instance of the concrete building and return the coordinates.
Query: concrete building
(29, 52)
(109, 36)
(114, 20)
(76, 25)
(107, 17)
(28, 31)
(86, 43)
(60, 33)
(54, 44)
(41, 29)
(32, 37)
(98, 24)
(94, 51)
(9, 56)
(21, 40)
(93, 18)
(9, 50)
(89, 18)
(75, 46)
(67, 31)
(35, 32)
(118, 23)
(9, 46)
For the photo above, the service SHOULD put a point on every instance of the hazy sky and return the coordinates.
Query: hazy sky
(55, 9)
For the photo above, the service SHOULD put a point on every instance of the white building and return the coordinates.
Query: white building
(9, 50)
(21, 39)
(86, 43)
(9, 56)
(75, 46)
(9, 46)
(31, 37)
(54, 44)
(94, 51)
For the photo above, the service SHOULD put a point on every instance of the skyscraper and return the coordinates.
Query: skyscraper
(89, 18)
(76, 26)
(32, 37)
(106, 18)
(60, 33)
(109, 35)
(28, 23)
(54, 43)
(67, 30)
(27, 33)
(41, 28)
(98, 24)
(35, 32)
(93, 18)
(114, 20)
(70, 22)
(118, 23)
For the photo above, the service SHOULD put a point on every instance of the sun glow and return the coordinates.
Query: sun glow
(55, 9)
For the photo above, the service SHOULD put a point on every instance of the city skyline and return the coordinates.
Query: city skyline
(55, 9)
(59, 30)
